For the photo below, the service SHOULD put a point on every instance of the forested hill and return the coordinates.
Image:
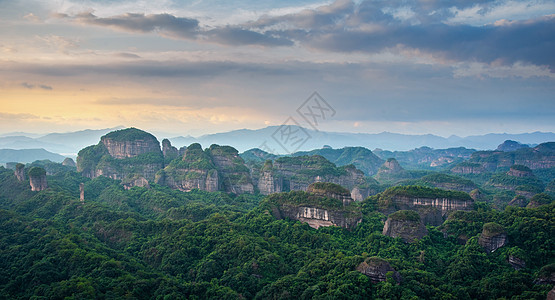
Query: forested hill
(160, 243)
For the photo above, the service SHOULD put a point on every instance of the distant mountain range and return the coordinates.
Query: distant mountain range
(267, 139)
(28, 155)
(67, 144)
(274, 140)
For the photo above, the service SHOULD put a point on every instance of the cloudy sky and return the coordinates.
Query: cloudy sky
(202, 66)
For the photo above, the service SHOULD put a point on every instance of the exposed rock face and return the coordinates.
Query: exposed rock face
(318, 217)
(516, 263)
(122, 154)
(129, 142)
(169, 151)
(377, 269)
(314, 209)
(468, 168)
(449, 182)
(135, 181)
(546, 275)
(37, 179)
(551, 294)
(520, 171)
(509, 145)
(518, 201)
(433, 205)
(297, 173)
(539, 157)
(390, 166)
(82, 192)
(68, 162)
(20, 172)
(218, 168)
(330, 190)
(234, 174)
(405, 224)
(493, 237)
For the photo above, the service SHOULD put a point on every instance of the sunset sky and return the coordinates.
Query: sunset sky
(195, 67)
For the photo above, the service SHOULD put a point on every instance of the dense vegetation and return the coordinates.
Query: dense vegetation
(129, 134)
(160, 243)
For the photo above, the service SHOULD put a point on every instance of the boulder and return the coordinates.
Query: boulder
(377, 269)
(493, 237)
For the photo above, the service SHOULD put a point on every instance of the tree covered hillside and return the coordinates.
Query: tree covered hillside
(160, 243)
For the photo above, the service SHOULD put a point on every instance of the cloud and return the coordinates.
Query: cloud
(180, 28)
(32, 86)
(23, 116)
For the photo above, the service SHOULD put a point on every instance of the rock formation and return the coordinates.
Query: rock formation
(122, 154)
(539, 200)
(390, 166)
(297, 173)
(377, 269)
(130, 142)
(468, 168)
(493, 237)
(316, 210)
(551, 294)
(518, 201)
(520, 171)
(516, 262)
(82, 192)
(213, 169)
(68, 162)
(509, 145)
(546, 275)
(330, 190)
(477, 195)
(405, 224)
(20, 172)
(139, 181)
(432, 204)
(169, 151)
(449, 182)
(37, 179)
(539, 157)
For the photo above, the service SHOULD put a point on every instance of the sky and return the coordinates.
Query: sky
(183, 67)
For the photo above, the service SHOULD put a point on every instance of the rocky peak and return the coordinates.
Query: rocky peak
(405, 224)
(390, 166)
(37, 179)
(493, 237)
(129, 142)
(509, 145)
(539, 200)
(377, 268)
(331, 190)
(20, 172)
(520, 171)
(168, 150)
(68, 162)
